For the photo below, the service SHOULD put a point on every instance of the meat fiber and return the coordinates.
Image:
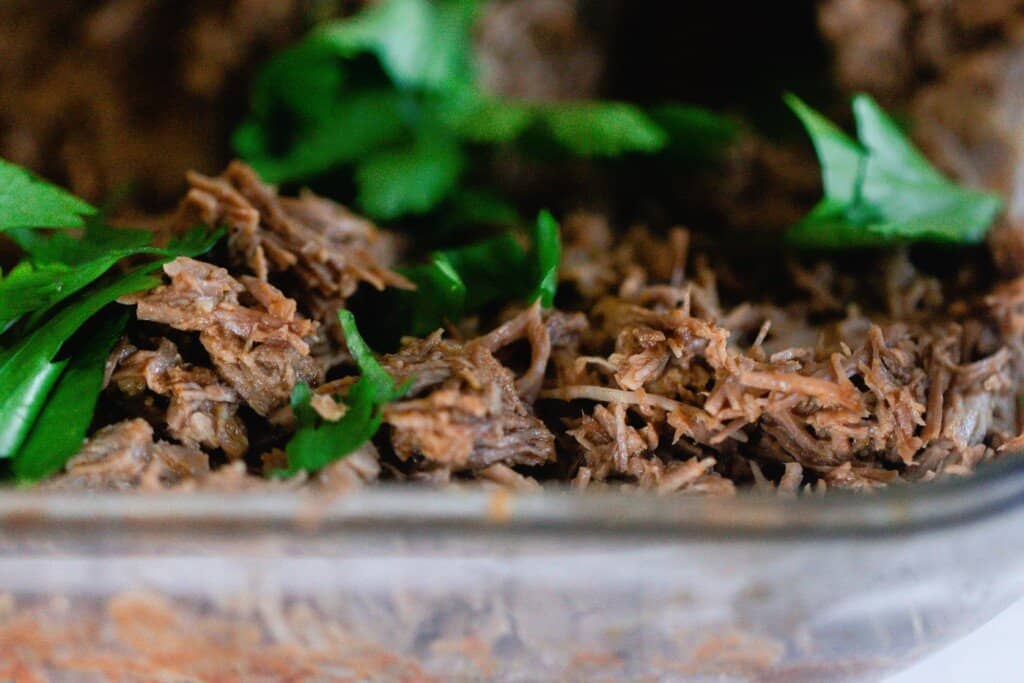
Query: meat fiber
(124, 456)
(316, 249)
(202, 412)
(255, 339)
(462, 410)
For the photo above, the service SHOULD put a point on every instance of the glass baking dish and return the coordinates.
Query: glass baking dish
(411, 584)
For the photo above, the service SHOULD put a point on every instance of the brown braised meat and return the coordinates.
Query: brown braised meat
(657, 379)
(106, 94)
(315, 249)
(202, 411)
(254, 337)
(462, 410)
(124, 456)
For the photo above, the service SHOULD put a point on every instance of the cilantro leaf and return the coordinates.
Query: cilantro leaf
(317, 443)
(881, 189)
(410, 179)
(421, 44)
(21, 406)
(610, 129)
(440, 295)
(391, 96)
(471, 207)
(28, 202)
(97, 240)
(303, 82)
(27, 368)
(349, 129)
(382, 386)
(32, 286)
(694, 134)
(26, 372)
(463, 281)
(492, 270)
(61, 425)
(547, 252)
(482, 118)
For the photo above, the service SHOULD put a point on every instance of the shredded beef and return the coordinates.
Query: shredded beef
(202, 411)
(124, 456)
(316, 248)
(103, 94)
(462, 410)
(255, 339)
(852, 409)
(540, 49)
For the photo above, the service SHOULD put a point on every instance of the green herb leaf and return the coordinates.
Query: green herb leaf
(28, 202)
(61, 426)
(303, 82)
(20, 407)
(547, 252)
(390, 94)
(412, 179)
(695, 135)
(317, 443)
(97, 241)
(478, 117)
(492, 270)
(608, 129)
(25, 372)
(881, 189)
(421, 44)
(37, 287)
(463, 281)
(350, 129)
(440, 295)
(382, 386)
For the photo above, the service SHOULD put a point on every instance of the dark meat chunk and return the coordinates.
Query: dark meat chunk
(540, 50)
(462, 410)
(202, 411)
(251, 331)
(124, 456)
(326, 249)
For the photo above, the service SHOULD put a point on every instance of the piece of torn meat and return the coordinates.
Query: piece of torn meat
(316, 250)
(251, 331)
(868, 402)
(462, 410)
(202, 412)
(124, 456)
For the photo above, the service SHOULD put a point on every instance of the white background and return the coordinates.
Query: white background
(992, 654)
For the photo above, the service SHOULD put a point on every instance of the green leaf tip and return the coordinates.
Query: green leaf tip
(881, 190)
(318, 442)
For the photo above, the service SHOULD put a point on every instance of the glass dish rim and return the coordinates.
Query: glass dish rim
(995, 489)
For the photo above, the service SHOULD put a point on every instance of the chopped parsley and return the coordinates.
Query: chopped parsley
(318, 442)
(28, 202)
(880, 189)
(462, 281)
(391, 97)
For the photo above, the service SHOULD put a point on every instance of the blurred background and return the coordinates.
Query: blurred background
(117, 98)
